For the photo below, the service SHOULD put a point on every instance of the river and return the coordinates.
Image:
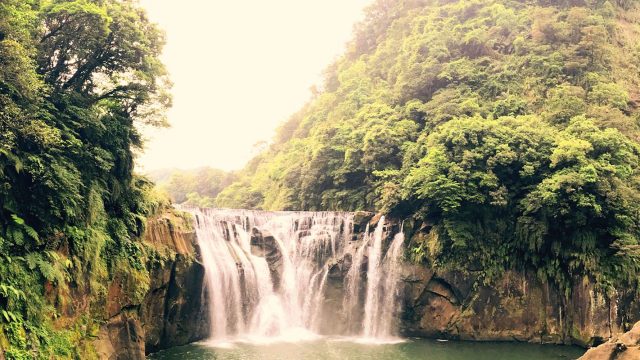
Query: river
(339, 349)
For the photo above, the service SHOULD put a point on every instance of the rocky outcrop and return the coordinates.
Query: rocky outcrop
(623, 347)
(263, 244)
(125, 337)
(518, 307)
(171, 312)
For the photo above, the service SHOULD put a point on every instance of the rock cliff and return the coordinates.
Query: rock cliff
(171, 312)
(516, 306)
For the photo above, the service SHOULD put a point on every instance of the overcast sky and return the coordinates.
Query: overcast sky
(239, 69)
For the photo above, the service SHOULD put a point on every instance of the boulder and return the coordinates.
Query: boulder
(264, 244)
(622, 347)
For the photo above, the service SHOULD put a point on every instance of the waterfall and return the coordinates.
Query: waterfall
(273, 276)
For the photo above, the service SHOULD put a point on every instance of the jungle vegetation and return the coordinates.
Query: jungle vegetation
(196, 187)
(509, 128)
(75, 76)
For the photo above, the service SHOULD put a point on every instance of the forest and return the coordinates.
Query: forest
(197, 187)
(509, 128)
(75, 76)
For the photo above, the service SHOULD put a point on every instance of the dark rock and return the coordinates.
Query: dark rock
(127, 337)
(339, 269)
(360, 220)
(174, 314)
(439, 313)
(441, 288)
(459, 283)
(265, 245)
(515, 307)
(591, 312)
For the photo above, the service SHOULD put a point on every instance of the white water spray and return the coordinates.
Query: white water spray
(267, 275)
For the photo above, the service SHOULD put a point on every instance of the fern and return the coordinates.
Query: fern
(10, 292)
(33, 234)
(32, 260)
(16, 219)
(16, 235)
(47, 271)
(10, 316)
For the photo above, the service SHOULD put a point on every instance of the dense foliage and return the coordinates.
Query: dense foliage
(74, 77)
(509, 128)
(198, 187)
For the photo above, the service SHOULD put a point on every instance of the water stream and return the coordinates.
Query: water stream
(290, 276)
(413, 349)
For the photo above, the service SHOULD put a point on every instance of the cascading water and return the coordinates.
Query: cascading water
(269, 275)
(382, 285)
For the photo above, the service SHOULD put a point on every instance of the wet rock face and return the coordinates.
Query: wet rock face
(338, 270)
(334, 295)
(172, 313)
(127, 337)
(263, 244)
(516, 307)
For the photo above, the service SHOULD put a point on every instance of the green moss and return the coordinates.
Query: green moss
(580, 338)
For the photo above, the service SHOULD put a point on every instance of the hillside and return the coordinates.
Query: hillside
(509, 129)
(75, 75)
(195, 187)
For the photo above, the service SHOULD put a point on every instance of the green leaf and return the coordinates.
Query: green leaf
(16, 219)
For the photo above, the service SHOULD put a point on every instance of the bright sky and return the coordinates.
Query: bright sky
(240, 68)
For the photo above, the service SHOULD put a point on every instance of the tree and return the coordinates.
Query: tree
(75, 75)
(464, 115)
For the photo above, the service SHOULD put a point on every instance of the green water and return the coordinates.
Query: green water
(341, 350)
